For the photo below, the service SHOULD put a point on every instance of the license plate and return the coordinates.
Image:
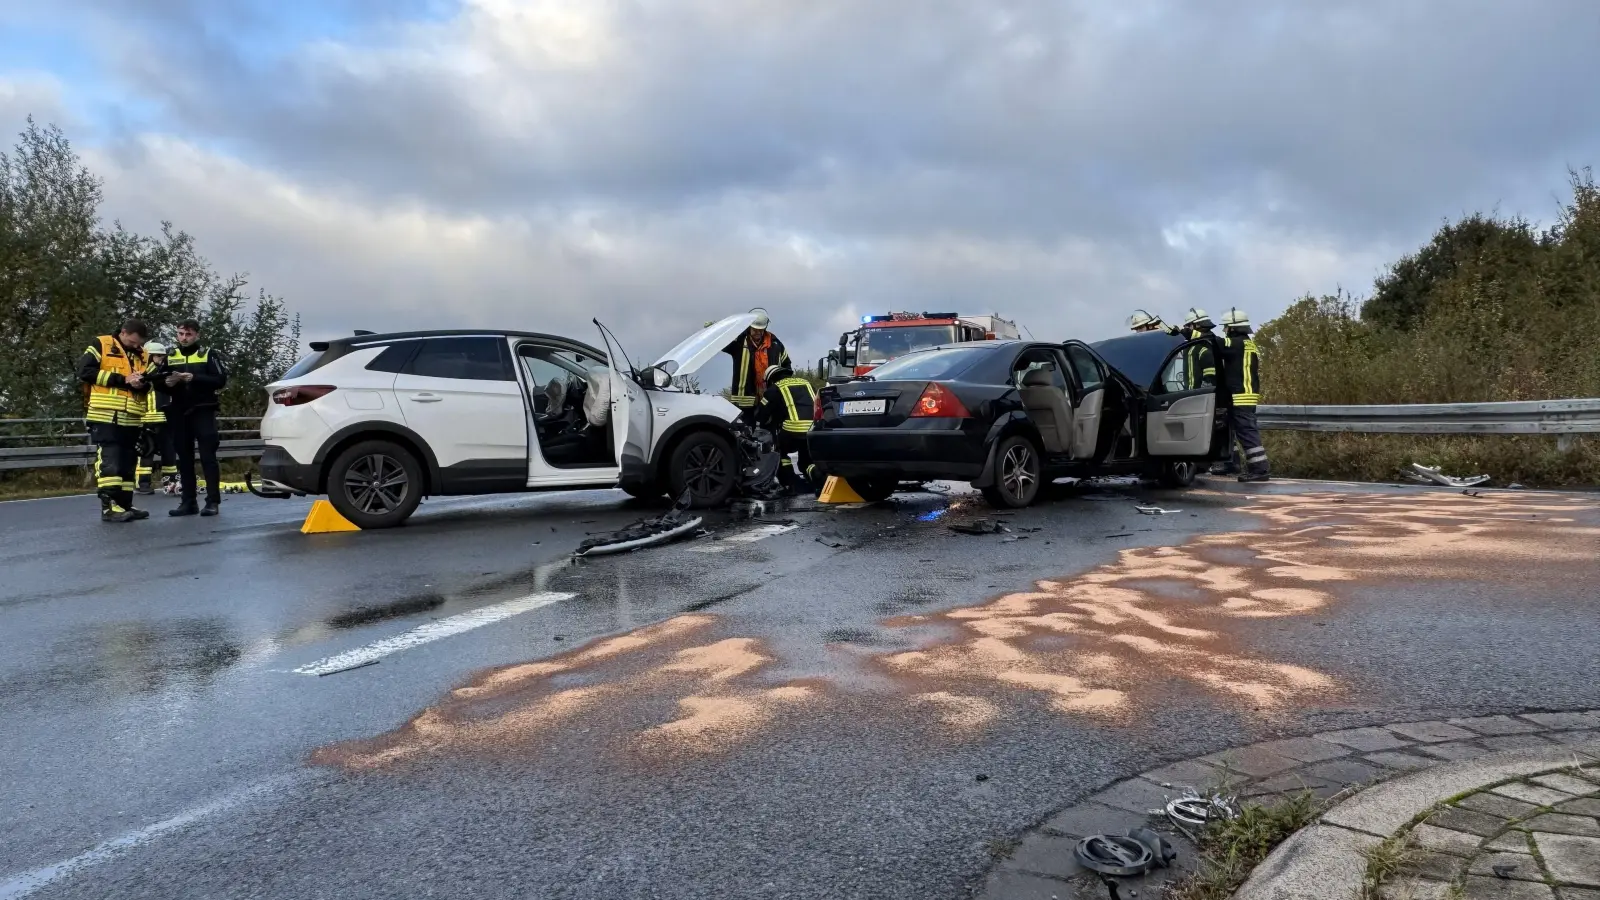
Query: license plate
(863, 407)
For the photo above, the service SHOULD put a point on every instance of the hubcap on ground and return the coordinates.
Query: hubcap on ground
(705, 470)
(1017, 471)
(376, 484)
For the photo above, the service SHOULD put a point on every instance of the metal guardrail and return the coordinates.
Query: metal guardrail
(59, 456)
(1555, 417)
(1552, 417)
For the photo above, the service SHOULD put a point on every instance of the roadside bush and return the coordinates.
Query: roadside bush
(1490, 309)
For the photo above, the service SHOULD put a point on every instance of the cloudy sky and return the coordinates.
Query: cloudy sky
(535, 163)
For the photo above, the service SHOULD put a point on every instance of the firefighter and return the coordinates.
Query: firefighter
(112, 369)
(1241, 366)
(756, 351)
(1200, 360)
(156, 442)
(786, 410)
(197, 374)
(1142, 321)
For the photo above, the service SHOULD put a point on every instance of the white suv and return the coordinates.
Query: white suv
(378, 421)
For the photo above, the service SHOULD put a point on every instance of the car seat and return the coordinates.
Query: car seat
(1047, 407)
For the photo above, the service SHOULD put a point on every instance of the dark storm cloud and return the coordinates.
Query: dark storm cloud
(663, 161)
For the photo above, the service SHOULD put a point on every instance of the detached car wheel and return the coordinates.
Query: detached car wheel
(1178, 474)
(375, 484)
(705, 465)
(1018, 474)
(875, 490)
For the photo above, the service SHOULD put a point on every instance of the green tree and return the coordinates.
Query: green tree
(64, 279)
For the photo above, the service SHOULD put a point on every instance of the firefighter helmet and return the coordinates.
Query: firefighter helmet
(1143, 321)
(1196, 318)
(761, 322)
(155, 348)
(1236, 318)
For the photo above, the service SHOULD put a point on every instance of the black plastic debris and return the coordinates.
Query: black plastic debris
(1156, 510)
(978, 526)
(1161, 850)
(1111, 854)
(1504, 871)
(830, 540)
(674, 524)
(981, 777)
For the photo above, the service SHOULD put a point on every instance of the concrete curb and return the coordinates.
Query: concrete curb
(1328, 861)
(1039, 864)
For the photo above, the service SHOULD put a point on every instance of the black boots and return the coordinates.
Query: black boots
(186, 508)
(211, 508)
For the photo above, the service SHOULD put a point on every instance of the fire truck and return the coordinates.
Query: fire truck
(882, 338)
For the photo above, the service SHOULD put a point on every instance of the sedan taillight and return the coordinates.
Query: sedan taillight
(305, 393)
(938, 402)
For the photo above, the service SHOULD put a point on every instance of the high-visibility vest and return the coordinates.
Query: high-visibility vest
(797, 420)
(197, 356)
(115, 405)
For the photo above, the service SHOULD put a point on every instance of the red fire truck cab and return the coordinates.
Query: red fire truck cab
(882, 338)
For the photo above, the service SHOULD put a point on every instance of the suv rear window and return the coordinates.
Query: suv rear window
(472, 358)
(929, 365)
(307, 363)
(393, 358)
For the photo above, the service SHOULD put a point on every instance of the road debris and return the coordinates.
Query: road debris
(1156, 510)
(672, 525)
(978, 526)
(1473, 493)
(1114, 854)
(1120, 534)
(830, 540)
(1160, 848)
(1504, 871)
(1432, 475)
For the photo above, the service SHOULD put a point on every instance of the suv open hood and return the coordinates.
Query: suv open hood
(698, 349)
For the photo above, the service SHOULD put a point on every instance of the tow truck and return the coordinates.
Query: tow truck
(882, 338)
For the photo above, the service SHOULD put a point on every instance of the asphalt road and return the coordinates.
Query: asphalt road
(776, 710)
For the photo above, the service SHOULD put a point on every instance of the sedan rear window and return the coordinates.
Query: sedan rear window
(929, 365)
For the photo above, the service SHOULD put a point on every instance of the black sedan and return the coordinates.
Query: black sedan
(1010, 416)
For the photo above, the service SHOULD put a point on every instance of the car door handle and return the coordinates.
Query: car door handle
(425, 398)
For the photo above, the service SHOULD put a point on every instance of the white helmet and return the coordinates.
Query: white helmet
(155, 349)
(1195, 317)
(1236, 318)
(1143, 321)
(761, 322)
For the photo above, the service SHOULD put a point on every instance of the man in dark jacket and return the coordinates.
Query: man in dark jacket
(757, 350)
(197, 374)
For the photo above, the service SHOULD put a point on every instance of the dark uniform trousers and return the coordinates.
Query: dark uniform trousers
(116, 460)
(197, 427)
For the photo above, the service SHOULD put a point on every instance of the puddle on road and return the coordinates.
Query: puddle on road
(1093, 644)
(140, 658)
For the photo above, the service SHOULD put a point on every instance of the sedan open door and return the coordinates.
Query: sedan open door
(1181, 408)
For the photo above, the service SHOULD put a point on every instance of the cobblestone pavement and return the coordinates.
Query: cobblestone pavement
(1531, 838)
(1041, 865)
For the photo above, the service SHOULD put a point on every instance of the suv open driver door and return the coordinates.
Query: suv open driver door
(1181, 408)
(630, 410)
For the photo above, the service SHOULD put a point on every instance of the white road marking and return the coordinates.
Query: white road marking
(743, 537)
(24, 883)
(432, 631)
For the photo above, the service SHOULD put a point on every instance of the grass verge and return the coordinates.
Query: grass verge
(31, 484)
(1535, 461)
(1231, 849)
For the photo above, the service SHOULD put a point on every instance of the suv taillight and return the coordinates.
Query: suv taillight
(305, 393)
(938, 402)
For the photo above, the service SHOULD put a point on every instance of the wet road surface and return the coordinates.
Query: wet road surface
(800, 705)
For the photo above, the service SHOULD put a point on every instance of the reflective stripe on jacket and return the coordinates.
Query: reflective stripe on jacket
(747, 387)
(799, 403)
(105, 368)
